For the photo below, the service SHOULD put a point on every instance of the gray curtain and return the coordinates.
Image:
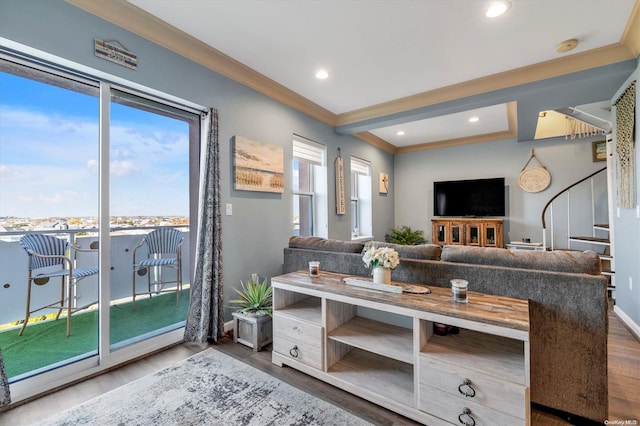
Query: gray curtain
(205, 319)
(5, 395)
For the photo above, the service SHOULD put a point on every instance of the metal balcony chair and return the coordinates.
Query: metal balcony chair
(164, 250)
(52, 257)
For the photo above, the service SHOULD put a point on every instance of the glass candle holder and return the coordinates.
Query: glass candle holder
(314, 269)
(459, 291)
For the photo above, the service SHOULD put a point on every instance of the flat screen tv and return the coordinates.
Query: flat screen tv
(477, 197)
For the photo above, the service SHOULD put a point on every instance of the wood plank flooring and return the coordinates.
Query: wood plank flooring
(623, 369)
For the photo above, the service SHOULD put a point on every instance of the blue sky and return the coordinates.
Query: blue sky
(49, 155)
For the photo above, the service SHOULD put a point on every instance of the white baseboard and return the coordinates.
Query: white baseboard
(228, 326)
(635, 328)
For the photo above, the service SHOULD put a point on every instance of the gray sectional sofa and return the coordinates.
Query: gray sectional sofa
(567, 299)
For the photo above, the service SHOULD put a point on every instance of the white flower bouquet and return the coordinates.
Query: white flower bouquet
(384, 257)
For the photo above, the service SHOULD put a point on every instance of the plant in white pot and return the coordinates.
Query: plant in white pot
(252, 323)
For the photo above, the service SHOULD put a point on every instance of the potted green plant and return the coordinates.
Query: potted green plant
(405, 236)
(252, 322)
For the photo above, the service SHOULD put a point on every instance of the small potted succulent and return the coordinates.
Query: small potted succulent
(252, 323)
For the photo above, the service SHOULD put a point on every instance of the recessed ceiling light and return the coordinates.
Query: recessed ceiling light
(322, 74)
(474, 120)
(497, 8)
(400, 133)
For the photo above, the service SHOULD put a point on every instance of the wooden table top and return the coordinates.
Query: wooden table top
(496, 310)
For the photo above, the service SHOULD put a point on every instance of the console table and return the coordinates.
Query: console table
(381, 347)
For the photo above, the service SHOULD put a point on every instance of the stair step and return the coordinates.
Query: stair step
(591, 240)
(602, 226)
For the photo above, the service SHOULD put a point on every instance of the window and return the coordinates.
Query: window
(361, 218)
(310, 204)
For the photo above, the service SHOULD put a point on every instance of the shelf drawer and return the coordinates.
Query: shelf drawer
(298, 339)
(491, 392)
(441, 404)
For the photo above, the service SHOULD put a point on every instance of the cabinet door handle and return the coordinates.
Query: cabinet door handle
(468, 390)
(294, 351)
(469, 420)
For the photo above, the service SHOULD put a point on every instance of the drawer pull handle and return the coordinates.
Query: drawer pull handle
(468, 390)
(469, 420)
(294, 351)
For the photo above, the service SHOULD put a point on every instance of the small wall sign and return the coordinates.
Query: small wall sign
(383, 183)
(341, 203)
(599, 151)
(114, 51)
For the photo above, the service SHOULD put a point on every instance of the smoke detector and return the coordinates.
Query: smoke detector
(567, 45)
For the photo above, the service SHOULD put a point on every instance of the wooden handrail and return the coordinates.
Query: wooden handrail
(544, 223)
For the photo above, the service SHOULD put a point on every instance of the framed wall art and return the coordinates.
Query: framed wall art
(257, 166)
(599, 151)
(383, 183)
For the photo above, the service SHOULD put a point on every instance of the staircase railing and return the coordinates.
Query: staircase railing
(550, 204)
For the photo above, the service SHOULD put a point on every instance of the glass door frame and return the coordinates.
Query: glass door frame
(105, 359)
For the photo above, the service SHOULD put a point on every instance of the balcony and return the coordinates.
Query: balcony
(44, 344)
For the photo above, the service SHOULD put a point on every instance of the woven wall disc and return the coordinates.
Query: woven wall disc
(534, 179)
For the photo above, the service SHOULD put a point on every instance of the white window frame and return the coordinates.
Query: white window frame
(315, 155)
(361, 199)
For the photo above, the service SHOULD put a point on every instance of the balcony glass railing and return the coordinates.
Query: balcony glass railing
(44, 344)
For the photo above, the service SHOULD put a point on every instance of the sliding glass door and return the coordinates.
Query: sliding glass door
(107, 171)
(149, 205)
(48, 185)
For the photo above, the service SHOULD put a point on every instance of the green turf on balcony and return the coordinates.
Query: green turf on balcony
(46, 343)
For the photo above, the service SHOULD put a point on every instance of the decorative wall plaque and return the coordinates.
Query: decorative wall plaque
(341, 203)
(114, 51)
(534, 178)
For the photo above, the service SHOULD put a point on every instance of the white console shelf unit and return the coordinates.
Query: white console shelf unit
(381, 347)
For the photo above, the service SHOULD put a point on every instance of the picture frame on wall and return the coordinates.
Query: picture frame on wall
(258, 166)
(383, 183)
(599, 151)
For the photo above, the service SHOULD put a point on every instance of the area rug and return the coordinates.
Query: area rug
(209, 388)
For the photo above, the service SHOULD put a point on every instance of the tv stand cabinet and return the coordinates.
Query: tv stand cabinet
(481, 232)
(381, 347)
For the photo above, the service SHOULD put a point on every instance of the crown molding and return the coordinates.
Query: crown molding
(376, 141)
(631, 35)
(510, 133)
(578, 62)
(487, 137)
(142, 23)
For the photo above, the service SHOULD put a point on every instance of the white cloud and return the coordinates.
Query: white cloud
(122, 168)
(58, 197)
(42, 155)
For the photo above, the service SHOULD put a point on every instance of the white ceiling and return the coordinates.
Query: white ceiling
(377, 51)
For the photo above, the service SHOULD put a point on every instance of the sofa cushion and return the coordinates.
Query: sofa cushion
(318, 243)
(420, 251)
(581, 262)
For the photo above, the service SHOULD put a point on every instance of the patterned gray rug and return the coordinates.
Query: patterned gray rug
(209, 388)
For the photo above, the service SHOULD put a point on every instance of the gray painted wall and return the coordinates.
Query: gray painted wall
(566, 160)
(627, 239)
(255, 235)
